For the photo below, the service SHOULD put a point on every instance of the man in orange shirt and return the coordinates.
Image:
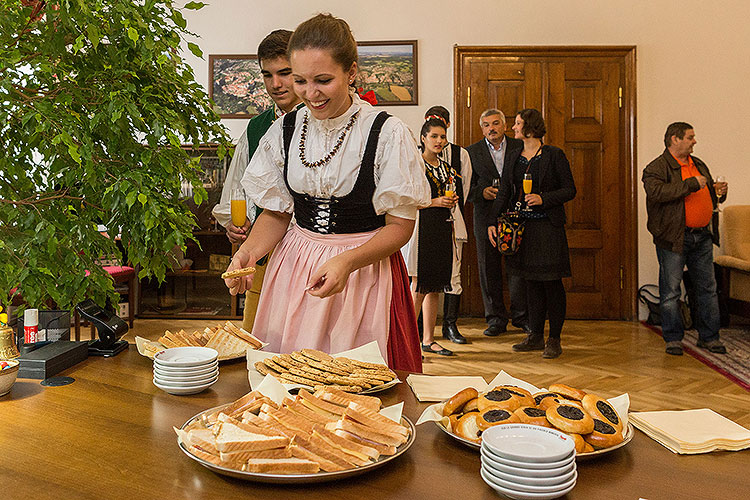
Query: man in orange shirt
(682, 201)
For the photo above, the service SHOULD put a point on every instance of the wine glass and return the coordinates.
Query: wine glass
(238, 207)
(450, 190)
(719, 180)
(527, 184)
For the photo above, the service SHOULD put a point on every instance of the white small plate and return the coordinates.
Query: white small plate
(167, 379)
(182, 391)
(527, 443)
(523, 495)
(551, 480)
(529, 465)
(528, 473)
(527, 488)
(191, 371)
(186, 356)
(186, 383)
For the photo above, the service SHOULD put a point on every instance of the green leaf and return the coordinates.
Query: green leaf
(195, 50)
(94, 35)
(143, 199)
(194, 5)
(133, 34)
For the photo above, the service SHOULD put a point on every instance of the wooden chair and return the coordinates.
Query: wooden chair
(735, 263)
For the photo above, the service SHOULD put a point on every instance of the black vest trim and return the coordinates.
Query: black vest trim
(351, 213)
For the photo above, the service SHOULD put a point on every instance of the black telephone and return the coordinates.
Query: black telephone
(109, 326)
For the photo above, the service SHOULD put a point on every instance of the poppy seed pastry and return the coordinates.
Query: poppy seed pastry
(603, 410)
(604, 435)
(570, 419)
(495, 416)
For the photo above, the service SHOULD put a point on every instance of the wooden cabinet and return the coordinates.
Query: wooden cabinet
(194, 289)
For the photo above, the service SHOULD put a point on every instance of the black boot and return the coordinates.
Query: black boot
(450, 315)
(532, 342)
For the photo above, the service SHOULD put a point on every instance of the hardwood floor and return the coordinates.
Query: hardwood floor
(604, 357)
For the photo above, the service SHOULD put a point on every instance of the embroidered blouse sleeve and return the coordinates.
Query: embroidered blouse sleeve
(264, 177)
(401, 185)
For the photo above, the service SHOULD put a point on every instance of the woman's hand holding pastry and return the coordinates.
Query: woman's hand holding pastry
(240, 260)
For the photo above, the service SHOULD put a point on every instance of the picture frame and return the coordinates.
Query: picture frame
(389, 69)
(235, 85)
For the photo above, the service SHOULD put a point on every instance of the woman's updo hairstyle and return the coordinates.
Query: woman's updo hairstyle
(533, 123)
(428, 125)
(327, 33)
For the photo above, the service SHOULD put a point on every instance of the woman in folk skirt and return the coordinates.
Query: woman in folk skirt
(432, 247)
(543, 258)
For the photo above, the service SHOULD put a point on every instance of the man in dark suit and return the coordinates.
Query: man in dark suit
(488, 158)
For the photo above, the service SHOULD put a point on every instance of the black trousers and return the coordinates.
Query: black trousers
(489, 261)
(546, 300)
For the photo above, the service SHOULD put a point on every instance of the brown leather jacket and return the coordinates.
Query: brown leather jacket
(665, 200)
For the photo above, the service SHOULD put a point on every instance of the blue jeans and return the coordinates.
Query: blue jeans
(697, 253)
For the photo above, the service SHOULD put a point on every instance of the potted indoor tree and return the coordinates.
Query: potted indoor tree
(95, 104)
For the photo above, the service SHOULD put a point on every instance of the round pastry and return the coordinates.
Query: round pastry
(603, 436)
(587, 448)
(524, 397)
(579, 442)
(601, 409)
(495, 416)
(498, 398)
(470, 406)
(570, 419)
(454, 404)
(453, 422)
(548, 403)
(532, 415)
(467, 427)
(541, 396)
(567, 392)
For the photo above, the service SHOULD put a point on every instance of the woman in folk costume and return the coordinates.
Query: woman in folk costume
(432, 248)
(350, 180)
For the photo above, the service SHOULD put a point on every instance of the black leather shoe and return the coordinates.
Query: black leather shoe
(530, 343)
(450, 332)
(552, 349)
(523, 326)
(495, 330)
(441, 350)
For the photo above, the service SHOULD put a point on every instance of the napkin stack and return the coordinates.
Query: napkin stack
(692, 431)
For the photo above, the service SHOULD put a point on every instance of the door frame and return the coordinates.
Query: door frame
(628, 137)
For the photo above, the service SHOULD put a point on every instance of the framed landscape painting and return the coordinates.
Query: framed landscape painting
(389, 69)
(236, 86)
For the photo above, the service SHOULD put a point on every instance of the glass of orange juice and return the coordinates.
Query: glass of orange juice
(238, 207)
(527, 183)
(450, 191)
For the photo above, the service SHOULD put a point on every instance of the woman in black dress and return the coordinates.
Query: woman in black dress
(432, 242)
(543, 258)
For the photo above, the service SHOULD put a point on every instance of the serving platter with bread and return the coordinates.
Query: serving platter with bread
(229, 340)
(311, 437)
(597, 425)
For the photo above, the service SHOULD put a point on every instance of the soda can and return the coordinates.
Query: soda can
(31, 326)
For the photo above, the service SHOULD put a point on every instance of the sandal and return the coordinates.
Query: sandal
(442, 351)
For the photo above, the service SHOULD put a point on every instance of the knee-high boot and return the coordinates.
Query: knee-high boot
(450, 315)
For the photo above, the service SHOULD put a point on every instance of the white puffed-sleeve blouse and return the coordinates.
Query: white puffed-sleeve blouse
(400, 183)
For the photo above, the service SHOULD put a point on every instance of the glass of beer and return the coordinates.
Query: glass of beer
(238, 207)
(527, 183)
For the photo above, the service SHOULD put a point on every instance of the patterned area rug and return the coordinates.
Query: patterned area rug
(734, 365)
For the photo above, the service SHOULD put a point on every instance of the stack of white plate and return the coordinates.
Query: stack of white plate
(527, 462)
(186, 370)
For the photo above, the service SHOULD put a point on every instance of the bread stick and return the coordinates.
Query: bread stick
(238, 273)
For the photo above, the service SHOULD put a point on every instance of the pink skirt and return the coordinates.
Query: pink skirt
(290, 319)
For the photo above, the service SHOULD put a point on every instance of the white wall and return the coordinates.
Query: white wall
(692, 60)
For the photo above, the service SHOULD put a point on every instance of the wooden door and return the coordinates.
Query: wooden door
(587, 98)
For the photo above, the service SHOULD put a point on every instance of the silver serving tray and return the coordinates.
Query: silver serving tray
(629, 432)
(318, 477)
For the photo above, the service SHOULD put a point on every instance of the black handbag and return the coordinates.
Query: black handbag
(649, 295)
(510, 226)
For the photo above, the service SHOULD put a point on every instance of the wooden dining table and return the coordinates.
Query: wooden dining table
(109, 435)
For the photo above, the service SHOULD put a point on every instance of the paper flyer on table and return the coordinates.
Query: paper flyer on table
(434, 413)
(369, 353)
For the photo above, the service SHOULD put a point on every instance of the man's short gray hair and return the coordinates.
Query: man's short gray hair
(491, 112)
